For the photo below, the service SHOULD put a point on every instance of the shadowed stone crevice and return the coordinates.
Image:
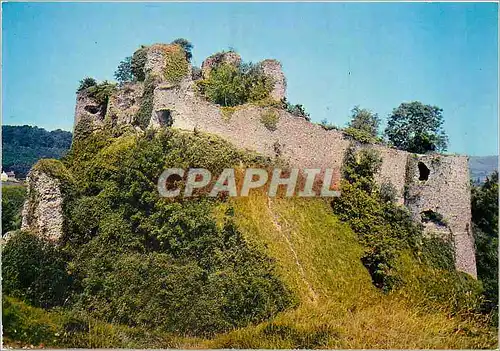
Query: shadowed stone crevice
(423, 171)
(164, 117)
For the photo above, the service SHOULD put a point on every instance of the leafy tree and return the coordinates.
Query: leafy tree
(365, 121)
(186, 46)
(123, 73)
(85, 83)
(416, 127)
(138, 62)
(485, 228)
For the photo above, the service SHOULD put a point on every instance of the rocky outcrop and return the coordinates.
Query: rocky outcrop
(42, 212)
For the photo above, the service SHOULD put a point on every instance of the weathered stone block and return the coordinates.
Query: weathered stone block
(42, 212)
(272, 69)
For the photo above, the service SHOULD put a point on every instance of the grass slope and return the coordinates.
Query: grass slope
(319, 257)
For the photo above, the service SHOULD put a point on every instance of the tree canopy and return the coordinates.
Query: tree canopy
(123, 73)
(186, 45)
(416, 127)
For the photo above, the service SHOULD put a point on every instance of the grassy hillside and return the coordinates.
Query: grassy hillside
(339, 307)
(248, 272)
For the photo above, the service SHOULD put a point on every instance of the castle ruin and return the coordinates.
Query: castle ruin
(429, 185)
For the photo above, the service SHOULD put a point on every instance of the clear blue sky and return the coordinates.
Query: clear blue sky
(335, 55)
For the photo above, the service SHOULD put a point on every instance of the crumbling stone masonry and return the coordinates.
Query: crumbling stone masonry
(424, 183)
(42, 212)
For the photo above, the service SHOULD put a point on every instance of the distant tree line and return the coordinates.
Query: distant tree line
(22, 146)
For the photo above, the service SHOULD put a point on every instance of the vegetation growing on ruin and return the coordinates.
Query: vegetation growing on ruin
(269, 118)
(176, 65)
(186, 45)
(85, 83)
(138, 62)
(485, 229)
(228, 85)
(388, 235)
(12, 202)
(213, 278)
(101, 92)
(143, 115)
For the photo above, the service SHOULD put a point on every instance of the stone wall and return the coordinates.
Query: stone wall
(42, 212)
(441, 184)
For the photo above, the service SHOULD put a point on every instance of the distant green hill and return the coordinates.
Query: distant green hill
(23, 146)
(482, 166)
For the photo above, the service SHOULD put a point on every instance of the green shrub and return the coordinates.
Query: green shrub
(269, 119)
(34, 270)
(183, 272)
(382, 227)
(328, 126)
(438, 253)
(12, 203)
(176, 64)
(228, 85)
(101, 92)
(388, 192)
(85, 83)
(297, 110)
(143, 115)
(360, 135)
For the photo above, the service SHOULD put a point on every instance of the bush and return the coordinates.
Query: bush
(101, 92)
(143, 115)
(269, 119)
(382, 227)
(228, 85)
(328, 126)
(176, 65)
(12, 204)
(143, 260)
(34, 270)
(360, 135)
(86, 83)
(296, 110)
